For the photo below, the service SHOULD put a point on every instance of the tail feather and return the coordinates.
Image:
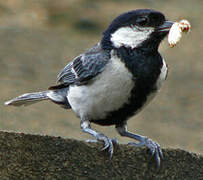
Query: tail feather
(28, 98)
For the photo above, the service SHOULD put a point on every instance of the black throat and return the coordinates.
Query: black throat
(143, 63)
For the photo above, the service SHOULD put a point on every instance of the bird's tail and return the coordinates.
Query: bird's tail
(28, 98)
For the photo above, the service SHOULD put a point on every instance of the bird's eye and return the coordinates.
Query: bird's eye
(142, 21)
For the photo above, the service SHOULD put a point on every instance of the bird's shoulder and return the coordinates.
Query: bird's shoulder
(83, 67)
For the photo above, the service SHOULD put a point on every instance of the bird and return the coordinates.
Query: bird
(115, 79)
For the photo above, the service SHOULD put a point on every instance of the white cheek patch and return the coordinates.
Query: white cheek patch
(130, 37)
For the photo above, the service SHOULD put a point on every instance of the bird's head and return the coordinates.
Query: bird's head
(143, 28)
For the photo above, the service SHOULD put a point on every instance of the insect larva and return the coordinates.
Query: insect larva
(176, 31)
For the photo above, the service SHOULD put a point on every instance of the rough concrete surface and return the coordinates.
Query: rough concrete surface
(26, 156)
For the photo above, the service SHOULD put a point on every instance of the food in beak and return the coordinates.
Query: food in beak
(176, 31)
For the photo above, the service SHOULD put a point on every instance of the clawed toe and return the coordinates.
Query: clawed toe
(155, 150)
(153, 147)
(114, 141)
(108, 144)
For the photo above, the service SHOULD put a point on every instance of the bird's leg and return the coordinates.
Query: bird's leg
(143, 141)
(108, 143)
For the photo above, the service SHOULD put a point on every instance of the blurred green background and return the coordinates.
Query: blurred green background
(39, 37)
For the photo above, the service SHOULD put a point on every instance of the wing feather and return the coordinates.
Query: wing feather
(84, 67)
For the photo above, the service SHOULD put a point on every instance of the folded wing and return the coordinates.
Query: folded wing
(83, 68)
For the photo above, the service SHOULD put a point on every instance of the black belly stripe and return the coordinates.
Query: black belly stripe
(127, 110)
(146, 70)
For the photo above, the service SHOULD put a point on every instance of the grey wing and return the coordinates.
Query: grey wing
(84, 67)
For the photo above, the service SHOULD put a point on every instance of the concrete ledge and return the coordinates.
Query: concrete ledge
(25, 156)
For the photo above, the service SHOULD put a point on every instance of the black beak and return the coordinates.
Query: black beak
(165, 27)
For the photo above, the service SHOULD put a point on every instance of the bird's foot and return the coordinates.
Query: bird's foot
(154, 148)
(108, 143)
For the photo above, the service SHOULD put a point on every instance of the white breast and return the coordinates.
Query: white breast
(108, 91)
